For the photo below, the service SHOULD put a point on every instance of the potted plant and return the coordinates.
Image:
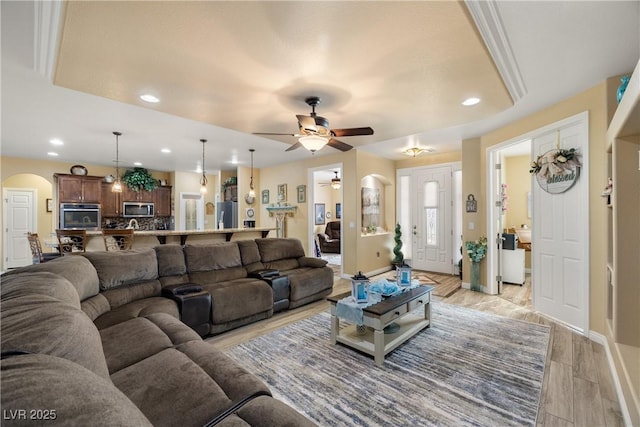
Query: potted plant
(139, 179)
(397, 249)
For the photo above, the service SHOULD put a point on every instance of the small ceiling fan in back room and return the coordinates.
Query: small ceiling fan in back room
(335, 182)
(314, 132)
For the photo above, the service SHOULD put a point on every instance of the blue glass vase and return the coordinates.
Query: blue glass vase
(475, 277)
(623, 86)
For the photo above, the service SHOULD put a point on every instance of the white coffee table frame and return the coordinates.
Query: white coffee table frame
(374, 341)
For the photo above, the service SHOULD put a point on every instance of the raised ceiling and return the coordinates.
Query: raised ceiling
(225, 69)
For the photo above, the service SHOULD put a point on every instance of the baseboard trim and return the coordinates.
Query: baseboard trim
(601, 339)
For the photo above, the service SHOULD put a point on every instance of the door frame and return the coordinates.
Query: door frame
(456, 219)
(310, 201)
(5, 225)
(493, 256)
(583, 120)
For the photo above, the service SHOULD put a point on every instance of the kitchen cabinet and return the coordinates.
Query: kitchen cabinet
(111, 204)
(128, 195)
(162, 200)
(79, 189)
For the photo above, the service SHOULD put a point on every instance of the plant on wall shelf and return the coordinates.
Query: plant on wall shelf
(232, 180)
(139, 179)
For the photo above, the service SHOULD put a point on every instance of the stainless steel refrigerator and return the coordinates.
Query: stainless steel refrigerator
(227, 212)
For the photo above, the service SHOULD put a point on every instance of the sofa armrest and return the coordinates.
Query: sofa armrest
(306, 261)
(182, 289)
(323, 237)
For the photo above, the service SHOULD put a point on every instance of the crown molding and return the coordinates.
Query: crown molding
(47, 30)
(487, 19)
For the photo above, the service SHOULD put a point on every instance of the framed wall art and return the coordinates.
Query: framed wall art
(302, 193)
(49, 205)
(338, 210)
(282, 192)
(265, 197)
(319, 212)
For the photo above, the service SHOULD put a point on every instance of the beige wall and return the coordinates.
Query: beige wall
(518, 180)
(594, 101)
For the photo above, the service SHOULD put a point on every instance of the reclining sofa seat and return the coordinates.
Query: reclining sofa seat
(146, 370)
(236, 299)
(309, 278)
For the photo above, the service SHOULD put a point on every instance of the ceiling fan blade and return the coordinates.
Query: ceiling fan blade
(352, 131)
(339, 145)
(307, 123)
(294, 146)
(270, 133)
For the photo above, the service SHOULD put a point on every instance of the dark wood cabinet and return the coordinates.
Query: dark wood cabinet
(111, 205)
(79, 189)
(162, 201)
(128, 195)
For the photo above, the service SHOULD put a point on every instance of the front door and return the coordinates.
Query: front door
(560, 248)
(432, 224)
(19, 221)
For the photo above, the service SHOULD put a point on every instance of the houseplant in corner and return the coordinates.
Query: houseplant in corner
(477, 250)
(139, 179)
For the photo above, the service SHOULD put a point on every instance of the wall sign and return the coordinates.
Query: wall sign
(472, 204)
(557, 170)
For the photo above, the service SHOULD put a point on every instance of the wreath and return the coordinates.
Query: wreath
(555, 162)
(139, 179)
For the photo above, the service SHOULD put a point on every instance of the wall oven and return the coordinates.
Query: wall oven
(137, 210)
(80, 216)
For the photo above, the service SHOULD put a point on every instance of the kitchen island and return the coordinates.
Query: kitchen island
(146, 238)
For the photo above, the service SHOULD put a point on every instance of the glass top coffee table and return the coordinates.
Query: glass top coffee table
(392, 310)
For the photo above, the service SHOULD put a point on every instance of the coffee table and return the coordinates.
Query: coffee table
(395, 309)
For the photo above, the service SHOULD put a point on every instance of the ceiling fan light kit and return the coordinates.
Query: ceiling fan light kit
(313, 143)
(335, 182)
(315, 132)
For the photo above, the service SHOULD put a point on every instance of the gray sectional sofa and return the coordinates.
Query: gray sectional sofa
(91, 340)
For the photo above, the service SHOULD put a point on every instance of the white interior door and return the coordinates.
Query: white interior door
(560, 249)
(20, 219)
(432, 220)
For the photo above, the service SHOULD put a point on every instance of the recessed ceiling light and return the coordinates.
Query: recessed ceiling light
(56, 141)
(137, 164)
(52, 154)
(147, 97)
(470, 101)
(165, 150)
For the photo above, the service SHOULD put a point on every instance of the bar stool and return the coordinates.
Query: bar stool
(72, 241)
(36, 250)
(117, 240)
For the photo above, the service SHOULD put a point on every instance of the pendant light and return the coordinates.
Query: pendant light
(250, 197)
(117, 185)
(203, 180)
(252, 191)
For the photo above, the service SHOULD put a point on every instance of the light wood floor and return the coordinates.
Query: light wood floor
(577, 388)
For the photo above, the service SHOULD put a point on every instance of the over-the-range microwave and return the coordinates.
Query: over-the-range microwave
(137, 210)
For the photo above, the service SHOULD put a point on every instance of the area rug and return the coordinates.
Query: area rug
(468, 369)
(444, 284)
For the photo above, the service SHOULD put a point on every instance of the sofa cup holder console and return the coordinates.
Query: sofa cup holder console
(279, 284)
(194, 305)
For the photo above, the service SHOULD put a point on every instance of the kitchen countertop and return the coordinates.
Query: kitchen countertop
(162, 234)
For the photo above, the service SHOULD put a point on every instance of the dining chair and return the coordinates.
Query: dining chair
(72, 241)
(36, 250)
(117, 240)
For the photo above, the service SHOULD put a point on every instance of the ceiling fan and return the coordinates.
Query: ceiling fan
(335, 182)
(314, 132)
